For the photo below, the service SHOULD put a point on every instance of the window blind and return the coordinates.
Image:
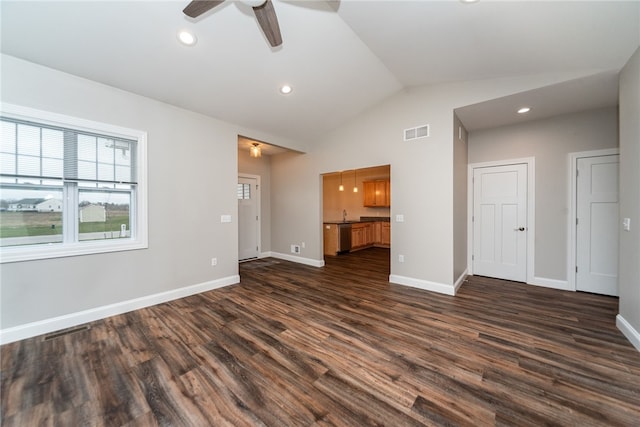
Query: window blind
(33, 150)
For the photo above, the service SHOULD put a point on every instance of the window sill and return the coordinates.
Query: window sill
(56, 250)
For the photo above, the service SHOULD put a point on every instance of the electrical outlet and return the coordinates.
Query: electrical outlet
(214, 262)
(400, 258)
(295, 249)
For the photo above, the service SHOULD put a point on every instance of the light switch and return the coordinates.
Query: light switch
(626, 224)
(225, 218)
(399, 218)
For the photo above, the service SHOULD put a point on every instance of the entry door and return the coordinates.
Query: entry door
(597, 225)
(500, 222)
(247, 218)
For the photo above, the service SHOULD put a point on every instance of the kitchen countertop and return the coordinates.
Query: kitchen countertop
(362, 219)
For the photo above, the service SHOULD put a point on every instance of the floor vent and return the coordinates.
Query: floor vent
(417, 132)
(66, 332)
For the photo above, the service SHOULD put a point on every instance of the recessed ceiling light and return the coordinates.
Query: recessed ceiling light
(469, 1)
(524, 110)
(285, 89)
(186, 38)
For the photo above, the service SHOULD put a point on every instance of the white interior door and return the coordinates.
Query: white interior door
(597, 225)
(500, 222)
(247, 218)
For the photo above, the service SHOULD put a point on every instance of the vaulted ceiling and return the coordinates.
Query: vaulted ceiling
(339, 57)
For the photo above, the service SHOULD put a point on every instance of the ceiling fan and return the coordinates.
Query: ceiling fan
(263, 9)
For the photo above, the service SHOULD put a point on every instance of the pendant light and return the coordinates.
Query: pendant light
(341, 187)
(355, 185)
(255, 150)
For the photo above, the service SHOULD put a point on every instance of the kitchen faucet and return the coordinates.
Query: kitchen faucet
(344, 215)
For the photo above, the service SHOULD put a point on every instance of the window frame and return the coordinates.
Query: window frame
(138, 210)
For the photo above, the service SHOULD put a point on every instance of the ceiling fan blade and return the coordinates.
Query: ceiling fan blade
(198, 7)
(268, 21)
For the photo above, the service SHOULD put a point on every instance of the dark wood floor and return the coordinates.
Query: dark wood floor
(303, 346)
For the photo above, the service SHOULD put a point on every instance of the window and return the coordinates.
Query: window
(244, 191)
(69, 186)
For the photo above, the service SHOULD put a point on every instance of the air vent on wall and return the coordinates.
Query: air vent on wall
(417, 132)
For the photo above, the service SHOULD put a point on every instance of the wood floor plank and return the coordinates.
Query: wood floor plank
(168, 400)
(294, 345)
(226, 411)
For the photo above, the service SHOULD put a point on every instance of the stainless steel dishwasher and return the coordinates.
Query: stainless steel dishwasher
(344, 238)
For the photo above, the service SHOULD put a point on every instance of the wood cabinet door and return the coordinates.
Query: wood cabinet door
(386, 234)
(368, 232)
(357, 237)
(369, 190)
(380, 193)
(330, 239)
(377, 193)
(377, 233)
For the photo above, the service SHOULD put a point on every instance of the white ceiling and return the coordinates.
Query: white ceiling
(339, 63)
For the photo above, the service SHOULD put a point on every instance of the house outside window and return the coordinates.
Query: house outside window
(69, 186)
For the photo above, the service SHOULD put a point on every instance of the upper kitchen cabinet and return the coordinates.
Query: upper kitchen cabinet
(377, 193)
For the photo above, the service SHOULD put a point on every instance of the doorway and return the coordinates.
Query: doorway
(595, 221)
(248, 217)
(356, 203)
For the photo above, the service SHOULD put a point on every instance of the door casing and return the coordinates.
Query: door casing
(258, 212)
(573, 208)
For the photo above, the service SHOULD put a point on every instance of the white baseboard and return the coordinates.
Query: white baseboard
(53, 324)
(298, 259)
(440, 288)
(460, 281)
(551, 283)
(628, 331)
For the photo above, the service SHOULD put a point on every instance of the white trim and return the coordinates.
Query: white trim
(45, 326)
(139, 240)
(551, 283)
(460, 281)
(298, 259)
(531, 209)
(426, 285)
(628, 331)
(571, 226)
(258, 208)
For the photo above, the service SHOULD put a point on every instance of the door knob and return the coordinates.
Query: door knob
(519, 229)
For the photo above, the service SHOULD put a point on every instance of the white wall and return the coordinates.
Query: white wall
(629, 267)
(549, 141)
(421, 176)
(192, 173)
(260, 166)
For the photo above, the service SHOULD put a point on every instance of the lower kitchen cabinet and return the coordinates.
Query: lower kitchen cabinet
(361, 235)
(367, 234)
(385, 232)
(331, 239)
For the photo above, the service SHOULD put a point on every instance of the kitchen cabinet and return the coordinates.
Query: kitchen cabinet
(382, 234)
(377, 233)
(367, 234)
(377, 193)
(385, 234)
(361, 235)
(331, 240)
